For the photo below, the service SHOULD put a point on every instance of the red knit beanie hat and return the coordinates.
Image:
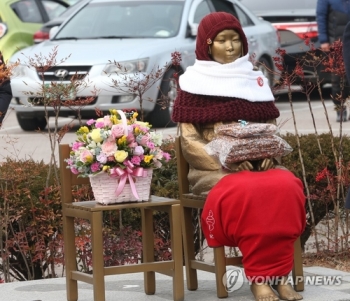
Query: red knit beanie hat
(210, 26)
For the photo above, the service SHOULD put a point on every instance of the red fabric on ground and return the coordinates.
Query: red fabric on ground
(262, 213)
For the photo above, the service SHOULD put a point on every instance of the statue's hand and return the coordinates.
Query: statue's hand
(266, 164)
(245, 165)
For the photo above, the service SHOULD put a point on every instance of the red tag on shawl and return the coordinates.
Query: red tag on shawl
(260, 81)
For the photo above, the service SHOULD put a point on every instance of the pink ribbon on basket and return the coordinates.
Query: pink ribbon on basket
(127, 174)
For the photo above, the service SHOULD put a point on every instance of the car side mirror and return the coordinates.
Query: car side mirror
(193, 29)
(53, 32)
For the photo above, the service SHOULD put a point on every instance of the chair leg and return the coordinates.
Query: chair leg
(220, 270)
(148, 249)
(188, 242)
(176, 247)
(298, 275)
(70, 257)
(97, 257)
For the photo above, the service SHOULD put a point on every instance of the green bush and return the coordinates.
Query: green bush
(315, 163)
(30, 219)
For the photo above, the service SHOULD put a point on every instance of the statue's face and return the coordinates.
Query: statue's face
(226, 47)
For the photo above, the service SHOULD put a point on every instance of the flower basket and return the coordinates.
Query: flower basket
(110, 189)
(118, 153)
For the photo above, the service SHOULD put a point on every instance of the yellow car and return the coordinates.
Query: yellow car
(20, 19)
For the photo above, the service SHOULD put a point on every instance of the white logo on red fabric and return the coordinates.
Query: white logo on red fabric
(210, 220)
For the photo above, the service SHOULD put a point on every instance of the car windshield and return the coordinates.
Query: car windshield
(124, 19)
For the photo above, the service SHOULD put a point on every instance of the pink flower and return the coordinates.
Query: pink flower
(150, 145)
(95, 167)
(107, 121)
(110, 159)
(136, 160)
(138, 151)
(76, 145)
(130, 138)
(74, 170)
(117, 131)
(143, 140)
(166, 156)
(86, 156)
(102, 158)
(90, 122)
(133, 144)
(109, 147)
(157, 164)
(99, 124)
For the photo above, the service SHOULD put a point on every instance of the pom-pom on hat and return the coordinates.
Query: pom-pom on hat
(208, 29)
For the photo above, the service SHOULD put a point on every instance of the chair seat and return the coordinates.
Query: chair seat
(92, 206)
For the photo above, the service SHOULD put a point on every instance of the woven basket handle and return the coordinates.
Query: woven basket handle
(123, 117)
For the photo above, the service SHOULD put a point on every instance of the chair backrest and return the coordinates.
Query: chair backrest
(182, 168)
(68, 179)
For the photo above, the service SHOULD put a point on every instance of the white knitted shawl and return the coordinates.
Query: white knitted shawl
(236, 79)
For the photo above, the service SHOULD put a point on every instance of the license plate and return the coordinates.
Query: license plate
(54, 91)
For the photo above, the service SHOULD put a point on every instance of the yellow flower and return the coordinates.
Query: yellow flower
(145, 124)
(113, 111)
(120, 155)
(137, 131)
(135, 115)
(122, 140)
(105, 168)
(114, 119)
(83, 129)
(148, 158)
(96, 135)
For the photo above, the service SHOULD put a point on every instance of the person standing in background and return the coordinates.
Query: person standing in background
(5, 91)
(332, 17)
(346, 57)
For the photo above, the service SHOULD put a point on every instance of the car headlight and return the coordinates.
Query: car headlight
(19, 70)
(126, 67)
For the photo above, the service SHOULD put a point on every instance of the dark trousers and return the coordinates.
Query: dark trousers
(339, 94)
(5, 99)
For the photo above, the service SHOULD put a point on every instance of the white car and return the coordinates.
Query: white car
(139, 34)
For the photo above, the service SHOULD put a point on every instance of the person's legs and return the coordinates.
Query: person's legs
(5, 99)
(339, 95)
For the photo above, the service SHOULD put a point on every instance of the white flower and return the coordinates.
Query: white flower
(157, 138)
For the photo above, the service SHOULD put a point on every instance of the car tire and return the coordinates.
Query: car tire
(31, 124)
(265, 67)
(160, 116)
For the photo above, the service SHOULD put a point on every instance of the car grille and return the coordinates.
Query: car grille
(38, 101)
(70, 71)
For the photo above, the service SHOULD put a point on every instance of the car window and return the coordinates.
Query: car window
(255, 5)
(125, 19)
(243, 17)
(27, 11)
(201, 11)
(53, 9)
(225, 6)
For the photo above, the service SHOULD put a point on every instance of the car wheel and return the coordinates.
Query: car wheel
(161, 114)
(31, 124)
(265, 67)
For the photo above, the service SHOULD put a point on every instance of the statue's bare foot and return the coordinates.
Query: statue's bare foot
(286, 291)
(263, 292)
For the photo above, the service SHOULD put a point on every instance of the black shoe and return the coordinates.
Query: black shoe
(344, 116)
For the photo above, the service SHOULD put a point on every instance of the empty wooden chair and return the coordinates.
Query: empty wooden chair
(92, 211)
